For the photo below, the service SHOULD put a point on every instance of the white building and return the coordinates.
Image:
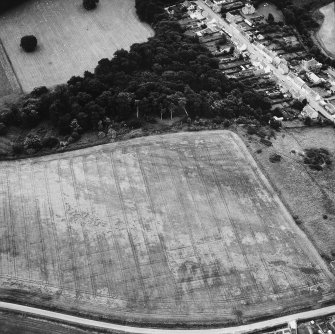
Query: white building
(313, 77)
(308, 111)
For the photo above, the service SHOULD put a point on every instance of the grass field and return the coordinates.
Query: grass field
(71, 39)
(175, 228)
(326, 34)
(11, 323)
(309, 194)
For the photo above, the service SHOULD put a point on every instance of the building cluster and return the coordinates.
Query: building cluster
(324, 325)
(267, 57)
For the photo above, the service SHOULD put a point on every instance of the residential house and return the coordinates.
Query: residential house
(311, 65)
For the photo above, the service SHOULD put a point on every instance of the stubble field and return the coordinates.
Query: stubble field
(180, 228)
(71, 39)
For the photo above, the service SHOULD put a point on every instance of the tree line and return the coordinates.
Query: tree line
(170, 74)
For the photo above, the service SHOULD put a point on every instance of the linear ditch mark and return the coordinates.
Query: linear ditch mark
(293, 241)
(236, 233)
(213, 214)
(139, 216)
(39, 223)
(186, 179)
(155, 215)
(4, 216)
(54, 226)
(119, 191)
(292, 287)
(69, 229)
(41, 196)
(246, 220)
(9, 70)
(10, 226)
(243, 297)
(83, 230)
(110, 220)
(183, 209)
(179, 291)
(85, 169)
(23, 211)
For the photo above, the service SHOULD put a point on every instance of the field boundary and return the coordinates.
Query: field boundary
(9, 70)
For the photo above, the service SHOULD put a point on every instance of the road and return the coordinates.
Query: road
(256, 55)
(139, 330)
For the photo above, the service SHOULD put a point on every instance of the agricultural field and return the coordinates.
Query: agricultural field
(8, 80)
(71, 39)
(181, 228)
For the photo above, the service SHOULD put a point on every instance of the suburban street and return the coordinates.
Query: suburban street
(139, 330)
(239, 39)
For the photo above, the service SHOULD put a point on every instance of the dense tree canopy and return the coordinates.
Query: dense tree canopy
(28, 43)
(171, 74)
(7, 4)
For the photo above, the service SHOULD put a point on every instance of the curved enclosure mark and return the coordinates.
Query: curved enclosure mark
(176, 228)
(71, 40)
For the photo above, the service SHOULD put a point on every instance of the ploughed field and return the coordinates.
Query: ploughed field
(71, 39)
(175, 228)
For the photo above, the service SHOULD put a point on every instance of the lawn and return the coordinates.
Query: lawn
(71, 39)
(175, 228)
(11, 323)
(326, 33)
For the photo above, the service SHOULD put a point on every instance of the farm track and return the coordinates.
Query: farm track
(175, 228)
(11, 78)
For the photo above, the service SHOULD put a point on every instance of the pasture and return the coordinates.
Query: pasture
(180, 228)
(326, 33)
(71, 39)
(310, 195)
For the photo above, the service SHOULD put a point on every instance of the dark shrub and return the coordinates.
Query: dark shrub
(317, 158)
(28, 43)
(38, 91)
(50, 142)
(3, 129)
(134, 123)
(274, 157)
(18, 148)
(6, 116)
(90, 4)
(32, 142)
